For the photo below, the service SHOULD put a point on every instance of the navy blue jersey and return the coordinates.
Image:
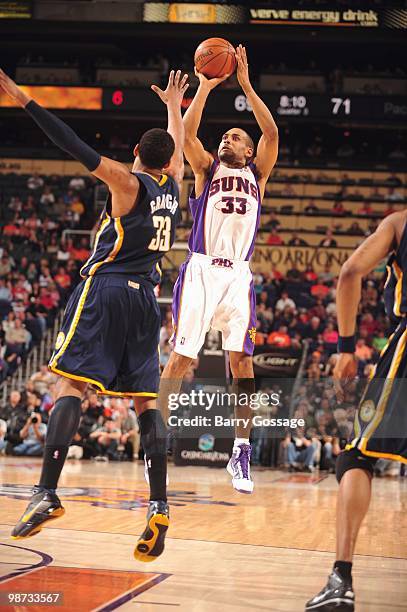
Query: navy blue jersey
(135, 243)
(395, 292)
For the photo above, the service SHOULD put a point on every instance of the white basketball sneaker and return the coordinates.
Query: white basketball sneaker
(239, 468)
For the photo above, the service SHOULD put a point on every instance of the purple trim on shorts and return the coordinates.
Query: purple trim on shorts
(177, 295)
(196, 242)
(251, 249)
(248, 345)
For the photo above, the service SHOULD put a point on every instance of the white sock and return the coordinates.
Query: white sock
(239, 441)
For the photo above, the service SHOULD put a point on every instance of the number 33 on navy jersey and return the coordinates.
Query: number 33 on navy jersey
(134, 244)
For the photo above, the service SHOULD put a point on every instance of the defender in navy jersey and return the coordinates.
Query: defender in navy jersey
(380, 426)
(215, 285)
(110, 331)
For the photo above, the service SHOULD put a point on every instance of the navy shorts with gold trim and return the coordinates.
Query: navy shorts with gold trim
(380, 428)
(110, 335)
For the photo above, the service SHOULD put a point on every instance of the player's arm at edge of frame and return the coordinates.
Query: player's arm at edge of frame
(116, 175)
(366, 257)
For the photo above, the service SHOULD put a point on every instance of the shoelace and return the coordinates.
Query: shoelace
(244, 460)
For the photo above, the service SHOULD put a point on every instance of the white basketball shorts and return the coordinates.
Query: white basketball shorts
(214, 293)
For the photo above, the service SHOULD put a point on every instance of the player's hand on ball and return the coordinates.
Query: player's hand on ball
(12, 89)
(175, 90)
(209, 83)
(344, 373)
(242, 67)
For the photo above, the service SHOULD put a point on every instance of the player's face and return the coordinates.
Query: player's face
(234, 149)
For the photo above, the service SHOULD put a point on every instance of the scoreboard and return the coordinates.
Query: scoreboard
(226, 104)
(283, 104)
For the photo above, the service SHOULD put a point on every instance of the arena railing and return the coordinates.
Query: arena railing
(36, 357)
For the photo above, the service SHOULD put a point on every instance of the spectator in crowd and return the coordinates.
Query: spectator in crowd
(35, 182)
(363, 352)
(274, 239)
(295, 240)
(329, 241)
(47, 198)
(327, 276)
(311, 208)
(43, 379)
(77, 207)
(284, 302)
(279, 338)
(77, 183)
(338, 209)
(393, 195)
(130, 437)
(273, 221)
(106, 440)
(32, 437)
(366, 209)
(300, 453)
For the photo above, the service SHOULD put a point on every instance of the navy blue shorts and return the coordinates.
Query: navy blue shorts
(110, 335)
(380, 428)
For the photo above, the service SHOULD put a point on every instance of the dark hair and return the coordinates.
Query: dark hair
(156, 147)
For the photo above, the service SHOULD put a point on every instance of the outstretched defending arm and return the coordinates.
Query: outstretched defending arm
(267, 149)
(348, 293)
(172, 97)
(115, 174)
(199, 159)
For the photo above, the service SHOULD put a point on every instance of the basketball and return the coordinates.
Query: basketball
(215, 57)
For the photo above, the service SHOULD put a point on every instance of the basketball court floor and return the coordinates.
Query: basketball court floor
(225, 551)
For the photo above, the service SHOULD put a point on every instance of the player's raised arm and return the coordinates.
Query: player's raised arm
(366, 257)
(199, 159)
(267, 149)
(172, 98)
(115, 174)
(348, 294)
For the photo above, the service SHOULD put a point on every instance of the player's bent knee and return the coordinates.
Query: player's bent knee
(353, 459)
(177, 365)
(69, 387)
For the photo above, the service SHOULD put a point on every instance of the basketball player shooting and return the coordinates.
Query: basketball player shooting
(380, 429)
(214, 289)
(111, 325)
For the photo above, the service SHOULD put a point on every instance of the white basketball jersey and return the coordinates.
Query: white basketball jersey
(226, 215)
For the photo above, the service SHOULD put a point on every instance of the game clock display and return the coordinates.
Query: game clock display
(298, 105)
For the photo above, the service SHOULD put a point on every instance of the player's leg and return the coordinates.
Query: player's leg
(87, 350)
(62, 426)
(236, 318)
(138, 375)
(354, 472)
(194, 301)
(171, 381)
(379, 418)
(241, 366)
(153, 435)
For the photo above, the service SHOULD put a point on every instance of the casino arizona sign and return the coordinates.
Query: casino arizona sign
(285, 257)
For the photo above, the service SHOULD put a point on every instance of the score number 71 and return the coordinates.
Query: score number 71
(341, 102)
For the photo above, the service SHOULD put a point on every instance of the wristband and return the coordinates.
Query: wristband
(346, 344)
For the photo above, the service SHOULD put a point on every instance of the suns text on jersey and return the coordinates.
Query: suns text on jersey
(167, 201)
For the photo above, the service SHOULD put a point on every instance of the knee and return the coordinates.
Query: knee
(177, 365)
(241, 365)
(353, 459)
(67, 387)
